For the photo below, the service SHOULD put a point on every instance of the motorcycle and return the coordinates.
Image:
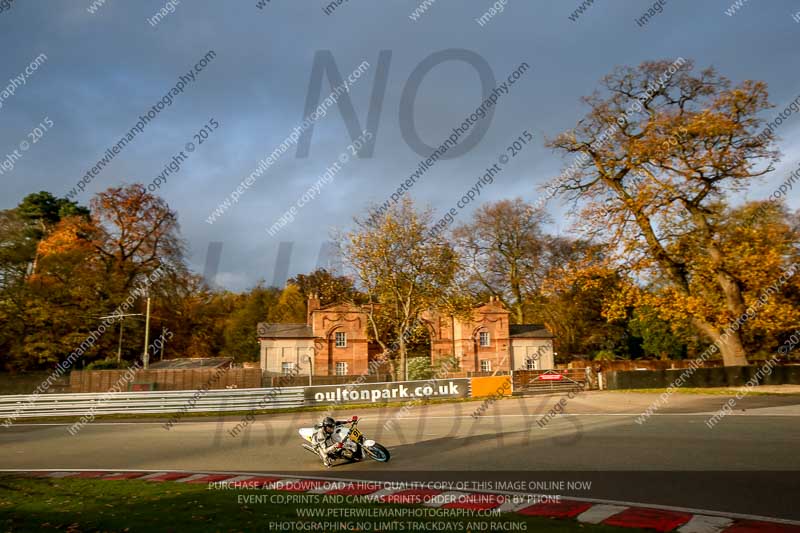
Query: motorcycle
(352, 443)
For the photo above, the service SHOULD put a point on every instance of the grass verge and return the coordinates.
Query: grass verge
(41, 504)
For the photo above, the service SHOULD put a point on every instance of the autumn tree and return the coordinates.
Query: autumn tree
(290, 308)
(403, 268)
(194, 312)
(63, 266)
(504, 252)
(760, 242)
(66, 293)
(329, 287)
(85, 264)
(139, 233)
(659, 149)
(576, 292)
(43, 212)
(30, 321)
(17, 250)
(252, 307)
(16, 254)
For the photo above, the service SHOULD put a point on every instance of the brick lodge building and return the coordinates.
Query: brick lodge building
(487, 343)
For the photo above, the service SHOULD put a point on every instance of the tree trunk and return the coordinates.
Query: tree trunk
(730, 346)
(516, 288)
(402, 352)
(519, 312)
(732, 350)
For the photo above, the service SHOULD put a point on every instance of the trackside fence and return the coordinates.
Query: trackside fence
(146, 402)
(550, 381)
(13, 407)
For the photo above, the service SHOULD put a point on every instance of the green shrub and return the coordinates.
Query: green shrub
(604, 355)
(420, 368)
(109, 363)
(447, 364)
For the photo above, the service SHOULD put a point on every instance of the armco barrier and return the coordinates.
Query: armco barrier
(729, 376)
(197, 401)
(166, 402)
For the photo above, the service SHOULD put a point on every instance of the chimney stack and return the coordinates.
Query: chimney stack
(313, 305)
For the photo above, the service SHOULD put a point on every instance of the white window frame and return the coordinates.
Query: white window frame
(486, 365)
(291, 366)
(530, 363)
(340, 338)
(341, 368)
(484, 335)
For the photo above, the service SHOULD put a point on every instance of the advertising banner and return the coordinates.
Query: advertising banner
(387, 392)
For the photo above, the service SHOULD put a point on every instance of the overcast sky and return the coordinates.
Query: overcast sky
(105, 69)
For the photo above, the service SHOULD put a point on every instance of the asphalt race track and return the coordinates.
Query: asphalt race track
(747, 463)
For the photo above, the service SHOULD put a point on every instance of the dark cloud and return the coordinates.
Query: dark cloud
(104, 70)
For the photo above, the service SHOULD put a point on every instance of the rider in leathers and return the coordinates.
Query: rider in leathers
(323, 438)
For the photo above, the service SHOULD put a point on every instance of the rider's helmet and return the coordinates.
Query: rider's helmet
(328, 423)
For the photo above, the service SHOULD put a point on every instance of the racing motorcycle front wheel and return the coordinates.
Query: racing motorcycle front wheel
(377, 452)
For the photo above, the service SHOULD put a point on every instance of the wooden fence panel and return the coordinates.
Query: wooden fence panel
(178, 379)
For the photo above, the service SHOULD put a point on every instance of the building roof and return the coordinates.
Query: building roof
(186, 363)
(285, 331)
(535, 331)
